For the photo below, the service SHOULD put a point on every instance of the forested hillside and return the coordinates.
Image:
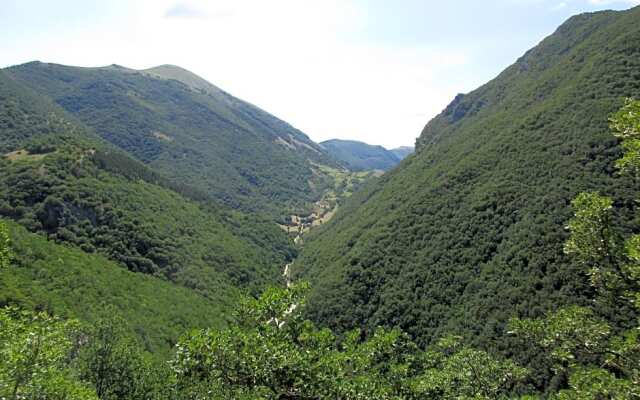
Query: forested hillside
(359, 156)
(191, 132)
(67, 184)
(157, 236)
(101, 211)
(70, 283)
(469, 231)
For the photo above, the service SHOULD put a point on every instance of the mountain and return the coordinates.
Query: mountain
(359, 156)
(191, 132)
(469, 231)
(402, 152)
(102, 210)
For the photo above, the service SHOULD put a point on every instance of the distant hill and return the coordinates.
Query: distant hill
(359, 156)
(402, 152)
(190, 131)
(469, 231)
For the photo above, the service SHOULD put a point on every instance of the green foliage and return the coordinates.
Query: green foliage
(626, 126)
(201, 136)
(36, 350)
(600, 364)
(596, 383)
(76, 189)
(458, 372)
(71, 283)
(569, 335)
(270, 352)
(144, 226)
(113, 363)
(469, 231)
(25, 115)
(625, 123)
(5, 246)
(592, 241)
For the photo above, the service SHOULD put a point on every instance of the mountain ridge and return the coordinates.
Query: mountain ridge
(360, 156)
(221, 145)
(469, 231)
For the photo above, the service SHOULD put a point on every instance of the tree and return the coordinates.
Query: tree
(599, 363)
(36, 351)
(5, 249)
(270, 352)
(114, 364)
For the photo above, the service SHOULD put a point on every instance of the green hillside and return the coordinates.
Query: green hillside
(191, 132)
(359, 156)
(118, 232)
(69, 185)
(71, 283)
(469, 231)
(70, 197)
(25, 115)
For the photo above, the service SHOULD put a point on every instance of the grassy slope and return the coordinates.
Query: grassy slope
(69, 282)
(208, 139)
(469, 231)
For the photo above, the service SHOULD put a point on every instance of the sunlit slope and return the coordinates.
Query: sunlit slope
(68, 282)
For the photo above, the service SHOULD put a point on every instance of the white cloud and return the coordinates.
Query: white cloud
(185, 10)
(560, 6)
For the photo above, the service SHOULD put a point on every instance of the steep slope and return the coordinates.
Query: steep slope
(68, 282)
(359, 156)
(190, 131)
(24, 115)
(402, 152)
(59, 179)
(468, 232)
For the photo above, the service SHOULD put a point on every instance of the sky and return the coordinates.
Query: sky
(370, 70)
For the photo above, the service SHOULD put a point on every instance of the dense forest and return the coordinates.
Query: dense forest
(469, 231)
(105, 214)
(147, 249)
(269, 351)
(191, 133)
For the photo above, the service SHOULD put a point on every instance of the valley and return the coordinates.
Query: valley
(162, 239)
(344, 184)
